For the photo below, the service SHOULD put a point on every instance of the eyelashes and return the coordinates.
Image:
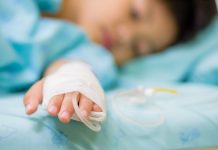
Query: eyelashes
(134, 14)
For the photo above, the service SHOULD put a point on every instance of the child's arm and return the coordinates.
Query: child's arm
(60, 105)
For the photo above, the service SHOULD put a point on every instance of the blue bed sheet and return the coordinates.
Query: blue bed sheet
(191, 120)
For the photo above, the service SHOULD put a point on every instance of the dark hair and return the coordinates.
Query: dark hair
(192, 16)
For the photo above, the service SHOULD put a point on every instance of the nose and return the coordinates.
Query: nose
(124, 32)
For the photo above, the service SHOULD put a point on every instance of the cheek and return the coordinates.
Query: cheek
(164, 30)
(90, 19)
(169, 26)
(100, 11)
(98, 15)
(105, 12)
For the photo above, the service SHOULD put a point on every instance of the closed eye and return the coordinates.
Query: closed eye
(134, 14)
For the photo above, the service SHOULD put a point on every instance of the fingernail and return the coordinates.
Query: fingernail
(84, 113)
(52, 109)
(65, 115)
(28, 107)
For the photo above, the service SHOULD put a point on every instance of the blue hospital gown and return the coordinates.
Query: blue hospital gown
(29, 43)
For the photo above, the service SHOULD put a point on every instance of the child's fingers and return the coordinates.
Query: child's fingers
(96, 108)
(67, 109)
(33, 97)
(85, 105)
(55, 105)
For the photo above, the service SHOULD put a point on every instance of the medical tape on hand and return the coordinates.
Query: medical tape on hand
(77, 77)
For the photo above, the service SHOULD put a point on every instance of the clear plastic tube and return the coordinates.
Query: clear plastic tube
(93, 125)
(135, 99)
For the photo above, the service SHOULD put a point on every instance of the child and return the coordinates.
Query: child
(128, 28)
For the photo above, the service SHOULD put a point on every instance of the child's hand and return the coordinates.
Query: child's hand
(60, 105)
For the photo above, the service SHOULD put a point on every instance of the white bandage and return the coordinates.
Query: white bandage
(77, 77)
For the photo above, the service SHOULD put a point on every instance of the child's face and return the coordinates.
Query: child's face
(129, 27)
